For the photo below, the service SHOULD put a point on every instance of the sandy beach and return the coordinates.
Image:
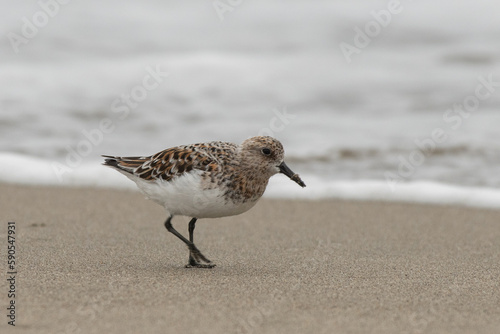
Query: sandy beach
(100, 261)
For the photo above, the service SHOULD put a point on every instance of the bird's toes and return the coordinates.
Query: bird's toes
(196, 254)
(200, 265)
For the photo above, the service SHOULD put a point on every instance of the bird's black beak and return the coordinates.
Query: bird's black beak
(288, 172)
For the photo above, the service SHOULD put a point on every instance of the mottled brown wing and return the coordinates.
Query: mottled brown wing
(166, 164)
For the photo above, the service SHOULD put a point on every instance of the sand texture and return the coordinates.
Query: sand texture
(101, 261)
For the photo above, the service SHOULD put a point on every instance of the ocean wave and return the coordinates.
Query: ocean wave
(337, 154)
(26, 170)
(425, 192)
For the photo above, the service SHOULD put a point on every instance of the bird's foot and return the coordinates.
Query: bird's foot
(200, 265)
(196, 257)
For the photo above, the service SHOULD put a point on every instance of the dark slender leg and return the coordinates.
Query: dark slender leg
(193, 251)
(192, 225)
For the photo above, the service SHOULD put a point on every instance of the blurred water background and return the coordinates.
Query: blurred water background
(359, 92)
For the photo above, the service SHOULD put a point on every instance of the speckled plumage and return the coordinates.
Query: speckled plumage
(207, 180)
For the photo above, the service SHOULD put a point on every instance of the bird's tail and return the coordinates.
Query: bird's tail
(124, 164)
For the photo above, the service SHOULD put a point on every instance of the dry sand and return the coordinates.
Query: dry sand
(100, 261)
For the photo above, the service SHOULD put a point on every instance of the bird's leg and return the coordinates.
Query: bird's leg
(193, 250)
(192, 262)
(192, 225)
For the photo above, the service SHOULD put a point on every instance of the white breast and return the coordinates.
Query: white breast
(185, 196)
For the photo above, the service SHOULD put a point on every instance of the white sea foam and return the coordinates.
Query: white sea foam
(375, 190)
(21, 169)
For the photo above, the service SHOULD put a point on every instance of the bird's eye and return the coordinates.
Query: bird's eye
(266, 151)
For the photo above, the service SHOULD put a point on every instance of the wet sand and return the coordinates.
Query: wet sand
(101, 261)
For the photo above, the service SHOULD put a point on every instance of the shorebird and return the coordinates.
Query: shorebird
(206, 180)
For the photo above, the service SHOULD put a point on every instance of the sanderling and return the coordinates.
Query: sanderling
(207, 180)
